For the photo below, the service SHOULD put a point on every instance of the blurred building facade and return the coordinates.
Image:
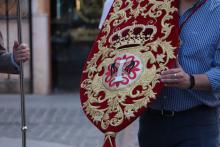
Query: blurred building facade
(60, 34)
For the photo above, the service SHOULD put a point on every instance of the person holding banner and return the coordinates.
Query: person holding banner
(185, 113)
(9, 62)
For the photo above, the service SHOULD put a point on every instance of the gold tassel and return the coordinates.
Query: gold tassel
(108, 136)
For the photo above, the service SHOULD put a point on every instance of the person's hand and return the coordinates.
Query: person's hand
(21, 52)
(175, 77)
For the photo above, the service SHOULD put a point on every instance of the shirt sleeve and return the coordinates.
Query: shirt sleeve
(214, 73)
(14, 63)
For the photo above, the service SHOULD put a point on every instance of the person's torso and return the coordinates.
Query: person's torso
(199, 37)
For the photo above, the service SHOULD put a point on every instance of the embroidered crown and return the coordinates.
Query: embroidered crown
(132, 36)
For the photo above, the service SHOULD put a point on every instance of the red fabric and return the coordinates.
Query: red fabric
(173, 38)
(109, 142)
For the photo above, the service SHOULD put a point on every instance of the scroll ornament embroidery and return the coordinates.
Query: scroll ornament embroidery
(121, 76)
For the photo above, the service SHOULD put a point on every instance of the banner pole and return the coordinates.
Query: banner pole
(23, 113)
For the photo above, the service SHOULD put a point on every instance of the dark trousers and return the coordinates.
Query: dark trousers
(197, 127)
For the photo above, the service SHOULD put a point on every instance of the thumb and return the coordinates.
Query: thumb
(177, 62)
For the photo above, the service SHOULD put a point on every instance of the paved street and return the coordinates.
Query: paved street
(53, 121)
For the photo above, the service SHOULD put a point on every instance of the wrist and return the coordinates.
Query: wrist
(17, 65)
(191, 81)
(14, 59)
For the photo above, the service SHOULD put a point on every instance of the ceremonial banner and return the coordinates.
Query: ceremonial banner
(138, 40)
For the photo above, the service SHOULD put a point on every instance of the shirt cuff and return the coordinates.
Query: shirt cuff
(213, 76)
(14, 63)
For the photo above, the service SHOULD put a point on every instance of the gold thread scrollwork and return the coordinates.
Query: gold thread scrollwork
(108, 107)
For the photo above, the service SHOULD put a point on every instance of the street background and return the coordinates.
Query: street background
(60, 34)
(54, 121)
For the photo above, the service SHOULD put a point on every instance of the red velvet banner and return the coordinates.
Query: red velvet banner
(138, 40)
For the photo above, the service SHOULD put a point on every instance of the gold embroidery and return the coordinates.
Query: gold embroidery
(108, 107)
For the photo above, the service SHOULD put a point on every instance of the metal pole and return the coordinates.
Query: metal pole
(7, 23)
(7, 27)
(23, 116)
(31, 41)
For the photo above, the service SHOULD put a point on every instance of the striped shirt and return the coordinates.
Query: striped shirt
(198, 54)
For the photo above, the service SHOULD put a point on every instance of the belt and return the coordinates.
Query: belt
(168, 113)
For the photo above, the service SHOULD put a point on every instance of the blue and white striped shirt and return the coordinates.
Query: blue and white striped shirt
(198, 54)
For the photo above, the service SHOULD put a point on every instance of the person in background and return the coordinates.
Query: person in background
(9, 62)
(185, 113)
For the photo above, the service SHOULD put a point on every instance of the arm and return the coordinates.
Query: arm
(177, 77)
(213, 74)
(202, 82)
(9, 63)
(6, 64)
